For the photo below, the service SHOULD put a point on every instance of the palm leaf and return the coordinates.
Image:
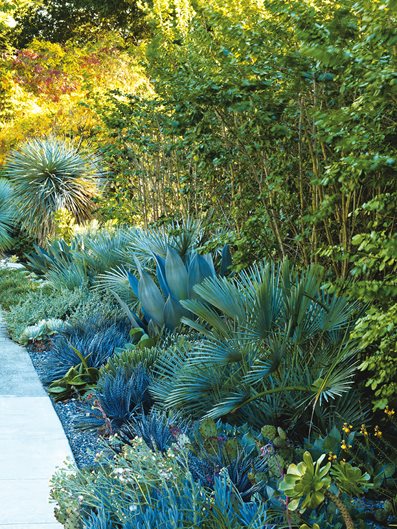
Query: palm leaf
(224, 294)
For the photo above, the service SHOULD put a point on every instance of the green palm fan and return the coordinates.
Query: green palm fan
(48, 175)
(6, 214)
(275, 347)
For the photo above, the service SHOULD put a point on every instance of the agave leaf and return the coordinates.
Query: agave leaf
(135, 321)
(151, 299)
(161, 275)
(194, 275)
(206, 264)
(133, 281)
(176, 275)
(173, 312)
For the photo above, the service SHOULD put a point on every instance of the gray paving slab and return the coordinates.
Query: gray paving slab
(31, 526)
(28, 416)
(18, 376)
(32, 442)
(25, 501)
(37, 462)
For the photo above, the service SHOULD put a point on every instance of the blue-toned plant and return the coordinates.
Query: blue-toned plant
(142, 245)
(49, 175)
(100, 520)
(230, 510)
(136, 487)
(158, 429)
(96, 337)
(215, 446)
(84, 259)
(277, 350)
(161, 305)
(106, 249)
(60, 263)
(116, 399)
(185, 237)
(57, 251)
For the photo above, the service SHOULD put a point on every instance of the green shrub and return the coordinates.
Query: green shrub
(377, 332)
(47, 303)
(133, 355)
(15, 285)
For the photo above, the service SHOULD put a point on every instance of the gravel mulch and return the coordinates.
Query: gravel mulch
(84, 444)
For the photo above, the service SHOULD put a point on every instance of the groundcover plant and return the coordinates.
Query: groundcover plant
(202, 198)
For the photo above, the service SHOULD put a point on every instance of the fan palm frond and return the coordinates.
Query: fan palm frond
(223, 294)
(107, 249)
(184, 237)
(274, 345)
(70, 276)
(116, 280)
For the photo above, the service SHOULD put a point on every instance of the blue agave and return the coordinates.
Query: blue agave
(161, 305)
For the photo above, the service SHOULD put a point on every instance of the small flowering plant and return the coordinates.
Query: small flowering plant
(362, 445)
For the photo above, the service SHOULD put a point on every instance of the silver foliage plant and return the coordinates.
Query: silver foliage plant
(50, 174)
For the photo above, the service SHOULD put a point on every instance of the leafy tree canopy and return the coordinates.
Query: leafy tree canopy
(62, 20)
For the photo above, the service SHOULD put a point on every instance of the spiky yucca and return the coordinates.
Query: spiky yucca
(50, 174)
(6, 214)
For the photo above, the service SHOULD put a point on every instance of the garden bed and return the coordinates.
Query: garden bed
(84, 444)
(182, 385)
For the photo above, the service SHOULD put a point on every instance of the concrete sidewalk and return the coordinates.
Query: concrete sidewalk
(32, 442)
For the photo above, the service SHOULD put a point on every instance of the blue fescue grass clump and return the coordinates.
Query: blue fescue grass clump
(100, 520)
(188, 505)
(118, 397)
(157, 428)
(95, 337)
